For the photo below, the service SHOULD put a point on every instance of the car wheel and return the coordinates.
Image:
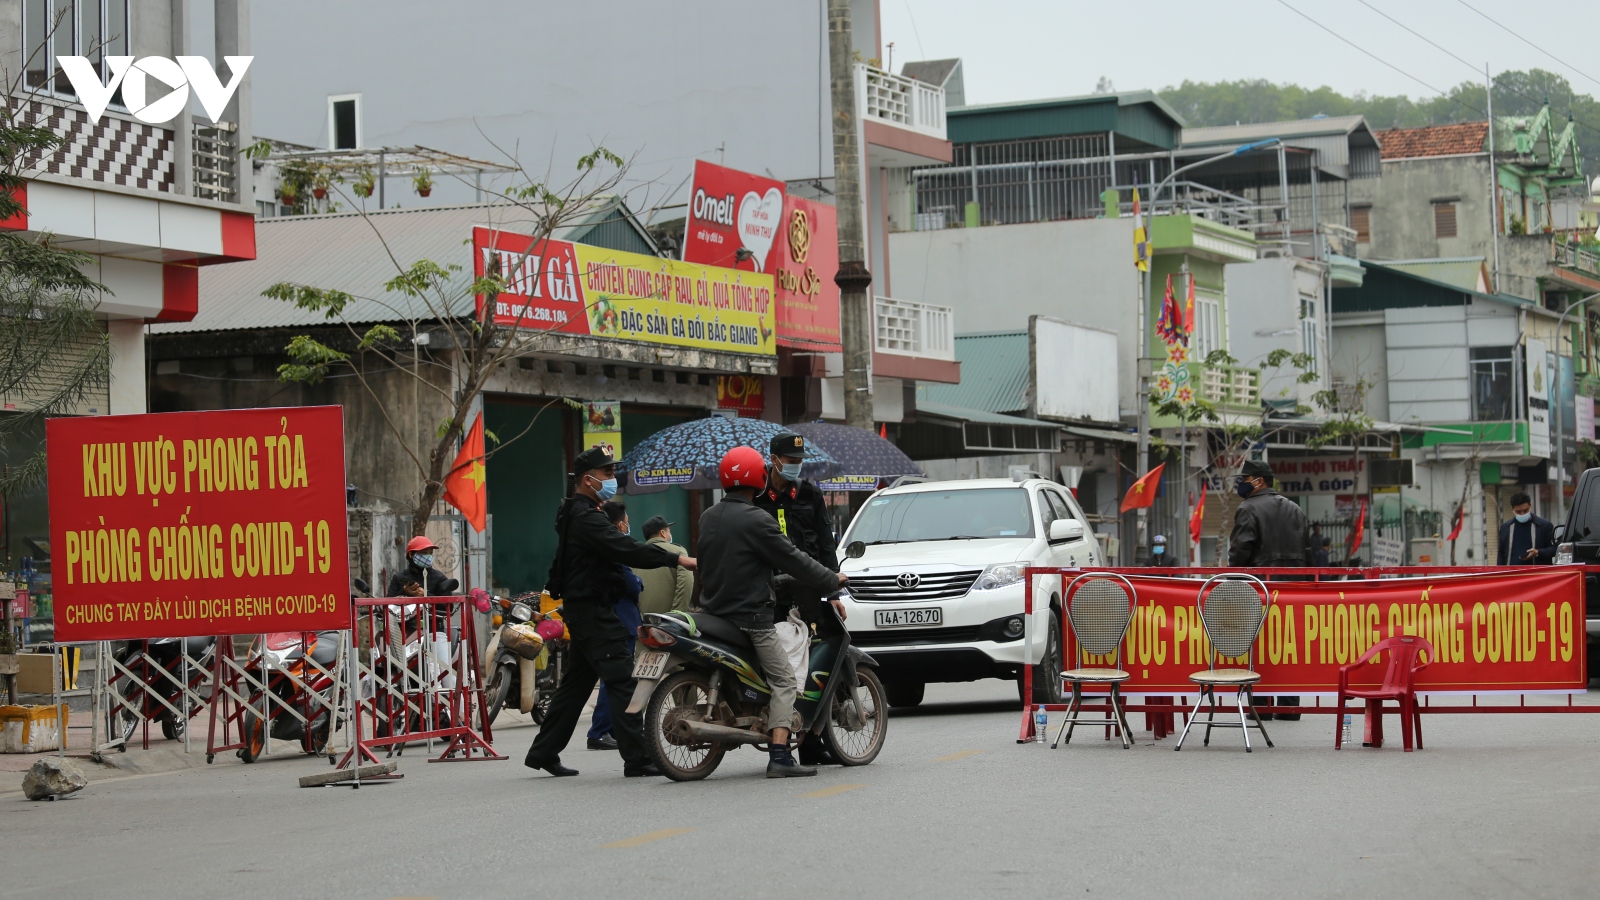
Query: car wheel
(1047, 674)
(905, 694)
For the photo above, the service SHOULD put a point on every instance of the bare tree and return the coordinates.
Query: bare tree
(425, 297)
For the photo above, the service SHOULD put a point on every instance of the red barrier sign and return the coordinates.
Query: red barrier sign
(1519, 631)
(179, 524)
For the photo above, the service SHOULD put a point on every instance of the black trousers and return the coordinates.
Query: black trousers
(599, 653)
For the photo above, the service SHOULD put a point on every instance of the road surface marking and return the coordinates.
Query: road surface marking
(831, 791)
(647, 838)
(963, 754)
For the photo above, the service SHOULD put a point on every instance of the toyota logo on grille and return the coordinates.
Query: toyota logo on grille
(908, 581)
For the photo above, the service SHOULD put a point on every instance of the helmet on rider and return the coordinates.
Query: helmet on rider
(419, 544)
(743, 467)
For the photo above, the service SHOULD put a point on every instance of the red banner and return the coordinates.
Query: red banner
(794, 240)
(1513, 632)
(178, 524)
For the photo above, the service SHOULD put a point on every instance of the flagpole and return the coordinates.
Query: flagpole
(1141, 463)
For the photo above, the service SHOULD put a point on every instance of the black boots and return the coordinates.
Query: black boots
(782, 765)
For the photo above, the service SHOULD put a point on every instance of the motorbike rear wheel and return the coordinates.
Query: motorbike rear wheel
(172, 727)
(120, 723)
(684, 694)
(859, 747)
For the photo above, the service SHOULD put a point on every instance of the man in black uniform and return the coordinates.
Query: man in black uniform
(587, 578)
(1269, 530)
(802, 515)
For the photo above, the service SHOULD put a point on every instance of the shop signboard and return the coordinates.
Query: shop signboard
(735, 214)
(1583, 417)
(198, 523)
(1538, 382)
(1332, 474)
(1518, 632)
(602, 426)
(578, 289)
(744, 394)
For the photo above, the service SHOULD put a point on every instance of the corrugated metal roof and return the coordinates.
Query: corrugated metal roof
(980, 416)
(1345, 145)
(357, 255)
(1140, 115)
(994, 374)
(1256, 131)
(1466, 272)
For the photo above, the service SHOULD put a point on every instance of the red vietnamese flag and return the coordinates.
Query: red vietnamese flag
(1197, 521)
(1143, 493)
(464, 486)
(1188, 310)
(1461, 517)
(1355, 535)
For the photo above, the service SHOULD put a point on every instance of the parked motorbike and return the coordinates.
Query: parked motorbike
(153, 682)
(703, 693)
(422, 644)
(526, 656)
(292, 680)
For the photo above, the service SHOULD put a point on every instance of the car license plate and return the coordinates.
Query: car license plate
(650, 664)
(895, 618)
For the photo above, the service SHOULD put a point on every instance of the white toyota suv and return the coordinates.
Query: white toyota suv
(936, 587)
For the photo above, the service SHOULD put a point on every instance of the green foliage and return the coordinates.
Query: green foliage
(1517, 93)
(311, 360)
(259, 150)
(423, 180)
(328, 302)
(424, 277)
(378, 334)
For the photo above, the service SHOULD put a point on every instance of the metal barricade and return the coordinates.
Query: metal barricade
(415, 676)
(276, 684)
(144, 687)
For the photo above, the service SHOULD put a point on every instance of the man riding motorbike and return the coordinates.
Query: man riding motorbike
(742, 548)
(419, 578)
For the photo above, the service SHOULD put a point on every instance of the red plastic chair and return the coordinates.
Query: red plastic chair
(1399, 684)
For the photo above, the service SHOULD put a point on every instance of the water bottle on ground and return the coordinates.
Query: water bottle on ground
(1041, 724)
(1345, 737)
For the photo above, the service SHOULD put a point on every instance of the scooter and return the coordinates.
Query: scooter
(291, 679)
(526, 656)
(157, 667)
(703, 693)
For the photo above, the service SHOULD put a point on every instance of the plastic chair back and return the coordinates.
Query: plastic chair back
(1232, 610)
(1100, 607)
(1400, 674)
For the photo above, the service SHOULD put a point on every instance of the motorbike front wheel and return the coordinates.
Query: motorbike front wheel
(685, 694)
(858, 746)
(253, 734)
(499, 688)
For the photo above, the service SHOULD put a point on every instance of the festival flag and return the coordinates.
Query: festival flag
(1461, 517)
(1141, 244)
(1188, 309)
(464, 486)
(1143, 492)
(1360, 527)
(1197, 521)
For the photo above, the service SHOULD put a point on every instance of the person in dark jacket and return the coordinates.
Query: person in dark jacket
(1526, 539)
(798, 504)
(586, 575)
(600, 736)
(1158, 552)
(743, 548)
(419, 578)
(1269, 529)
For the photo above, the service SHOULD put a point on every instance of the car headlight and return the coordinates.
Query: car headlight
(999, 575)
(521, 612)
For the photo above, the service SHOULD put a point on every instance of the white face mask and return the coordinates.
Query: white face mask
(1523, 518)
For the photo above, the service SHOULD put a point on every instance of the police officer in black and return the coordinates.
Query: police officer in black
(587, 577)
(802, 515)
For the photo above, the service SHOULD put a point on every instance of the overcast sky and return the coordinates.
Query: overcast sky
(1014, 49)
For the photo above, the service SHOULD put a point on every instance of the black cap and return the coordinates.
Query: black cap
(654, 524)
(592, 458)
(1255, 468)
(787, 443)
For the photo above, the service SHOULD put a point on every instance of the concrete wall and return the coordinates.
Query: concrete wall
(1402, 208)
(1264, 315)
(996, 277)
(1359, 352)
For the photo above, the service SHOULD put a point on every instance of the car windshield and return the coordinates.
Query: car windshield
(945, 515)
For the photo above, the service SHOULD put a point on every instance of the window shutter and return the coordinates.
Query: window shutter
(1444, 220)
(1361, 221)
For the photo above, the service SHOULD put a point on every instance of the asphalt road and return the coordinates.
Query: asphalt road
(1496, 806)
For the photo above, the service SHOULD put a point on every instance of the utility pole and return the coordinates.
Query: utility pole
(1494, 176)
(853, 279)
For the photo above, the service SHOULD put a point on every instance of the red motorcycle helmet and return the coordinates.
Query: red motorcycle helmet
(419, 544)
(743, 467)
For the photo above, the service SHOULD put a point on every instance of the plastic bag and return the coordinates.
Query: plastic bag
(794, 636)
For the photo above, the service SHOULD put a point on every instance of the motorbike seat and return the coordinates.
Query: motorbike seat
(325, 649)
(722, 631)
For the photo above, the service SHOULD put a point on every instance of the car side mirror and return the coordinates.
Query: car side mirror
(856, 550)
(1066, 530)
(1561, 531)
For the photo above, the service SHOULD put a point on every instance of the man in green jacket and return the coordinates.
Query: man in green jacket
(664, 589)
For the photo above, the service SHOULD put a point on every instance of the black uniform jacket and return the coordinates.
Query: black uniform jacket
(741, 549)
(585, 568)
(802, 514)
(1269, 529)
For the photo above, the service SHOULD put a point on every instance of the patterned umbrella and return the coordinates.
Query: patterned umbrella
(687, 455)
(864, 456)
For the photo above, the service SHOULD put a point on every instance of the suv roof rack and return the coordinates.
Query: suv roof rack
(909, 479)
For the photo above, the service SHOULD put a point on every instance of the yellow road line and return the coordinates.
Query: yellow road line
(963, 754)
(831, 791)
(647, 838)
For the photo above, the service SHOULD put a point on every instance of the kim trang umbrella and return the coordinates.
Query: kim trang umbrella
(687, 454)
(863, 456)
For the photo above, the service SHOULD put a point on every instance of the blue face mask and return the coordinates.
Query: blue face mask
(791, 471)
(1244, 488)
(1523, 518)
(423, 560)
(608, 489)
(1158, 549)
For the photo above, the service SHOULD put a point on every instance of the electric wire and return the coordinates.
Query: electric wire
(1528, 42)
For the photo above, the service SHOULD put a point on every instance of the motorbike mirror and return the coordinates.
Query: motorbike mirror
(362, 586)
(856, 550)
(450, 585)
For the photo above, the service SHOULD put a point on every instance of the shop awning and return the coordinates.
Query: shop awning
(1101, 434)
(994, 432)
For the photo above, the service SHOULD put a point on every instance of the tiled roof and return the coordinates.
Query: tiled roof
(1433, 140)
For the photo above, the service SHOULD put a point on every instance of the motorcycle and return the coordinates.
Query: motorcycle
(422, 646)
(157, 667)
(292, 680)
(526, 655)
(703, 693)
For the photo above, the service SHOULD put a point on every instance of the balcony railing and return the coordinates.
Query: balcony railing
(901, 102)
(215, 161)
(1572, 256)
(914, 329)
(1231, 387)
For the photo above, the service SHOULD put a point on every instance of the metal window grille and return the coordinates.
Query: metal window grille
(52, 29)
(1035, 180)
(215, 160)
